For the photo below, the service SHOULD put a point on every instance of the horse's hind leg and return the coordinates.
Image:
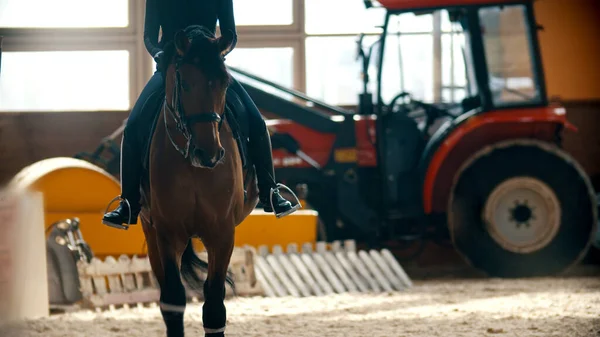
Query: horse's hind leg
(165, 260)
(214, 315)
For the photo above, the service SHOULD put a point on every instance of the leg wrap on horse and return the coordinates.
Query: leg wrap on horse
(214, 313)
(214, 332)
(172, 299)
(174, 322)
(165, 307)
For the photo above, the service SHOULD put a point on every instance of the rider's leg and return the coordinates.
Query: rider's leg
(131, 165)
(262, 158)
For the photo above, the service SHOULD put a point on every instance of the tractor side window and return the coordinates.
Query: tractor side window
(508, 55)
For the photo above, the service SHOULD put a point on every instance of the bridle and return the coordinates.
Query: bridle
(183, 122)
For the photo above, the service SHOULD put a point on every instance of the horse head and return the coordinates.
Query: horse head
(196, 84)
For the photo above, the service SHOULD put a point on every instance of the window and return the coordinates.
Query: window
(408, 66)
(508, 54)
(263, 12)
(333, 74)
(454, 76)
(335, 77)
(412, 63)
(332, 71)
(458, 72)
(273, 64)
(318, 58)
(350, 17)
(65, 80)
(63, 13)
(411, 23)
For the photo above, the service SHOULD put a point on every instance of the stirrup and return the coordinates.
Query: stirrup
(114, 225)
(294, 208)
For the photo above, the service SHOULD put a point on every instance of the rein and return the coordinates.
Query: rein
(183, 122)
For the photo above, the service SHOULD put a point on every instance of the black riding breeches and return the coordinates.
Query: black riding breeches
(258, 128)
(140, 116)
(260, 142)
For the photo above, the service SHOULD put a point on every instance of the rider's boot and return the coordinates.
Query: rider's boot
(121, 217)
(269, 195)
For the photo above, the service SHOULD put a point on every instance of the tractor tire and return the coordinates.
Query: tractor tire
(522, 208)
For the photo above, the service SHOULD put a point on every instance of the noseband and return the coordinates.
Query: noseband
(183, 122)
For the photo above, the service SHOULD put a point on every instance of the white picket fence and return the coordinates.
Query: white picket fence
(116, 282)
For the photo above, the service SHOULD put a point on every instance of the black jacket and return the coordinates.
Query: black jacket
(174, 15)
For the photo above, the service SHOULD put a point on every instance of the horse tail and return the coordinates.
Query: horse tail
(190, 261)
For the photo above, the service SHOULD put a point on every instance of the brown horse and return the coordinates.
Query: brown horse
(195, 184)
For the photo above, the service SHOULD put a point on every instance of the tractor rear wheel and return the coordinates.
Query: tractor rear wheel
(522, 208)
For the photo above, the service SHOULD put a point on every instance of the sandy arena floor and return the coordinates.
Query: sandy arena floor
(568, 307)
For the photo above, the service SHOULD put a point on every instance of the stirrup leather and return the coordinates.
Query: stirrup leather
(114, 225)
(294, 207)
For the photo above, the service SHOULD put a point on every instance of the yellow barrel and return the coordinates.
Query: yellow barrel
(77, 188)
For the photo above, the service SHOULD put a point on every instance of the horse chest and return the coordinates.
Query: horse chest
(180, 191)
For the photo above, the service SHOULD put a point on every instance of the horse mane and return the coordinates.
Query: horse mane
(204, 52)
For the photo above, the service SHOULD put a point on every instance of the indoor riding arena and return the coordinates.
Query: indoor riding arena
(405, 168)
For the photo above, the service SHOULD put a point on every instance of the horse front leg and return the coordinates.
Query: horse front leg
(214, 315)
(172, 291)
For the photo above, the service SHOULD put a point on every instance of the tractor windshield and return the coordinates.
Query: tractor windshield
(508, 55)
(430, 56)
(427, 56)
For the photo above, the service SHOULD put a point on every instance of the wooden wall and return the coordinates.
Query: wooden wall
(29, 137)
(570, 45)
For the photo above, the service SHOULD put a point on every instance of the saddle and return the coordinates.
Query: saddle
(235, 115)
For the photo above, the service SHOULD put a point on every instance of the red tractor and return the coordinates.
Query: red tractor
(487, 172)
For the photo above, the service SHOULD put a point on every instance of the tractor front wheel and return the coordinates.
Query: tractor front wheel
(522, 208)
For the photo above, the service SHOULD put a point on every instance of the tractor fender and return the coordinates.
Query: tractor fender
(457, 140)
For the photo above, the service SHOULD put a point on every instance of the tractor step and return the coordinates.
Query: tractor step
(327, 271)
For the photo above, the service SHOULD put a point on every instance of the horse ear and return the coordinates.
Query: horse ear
(182, 43)
(225, 43)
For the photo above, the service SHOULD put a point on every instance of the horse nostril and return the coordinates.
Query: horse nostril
(222, 153)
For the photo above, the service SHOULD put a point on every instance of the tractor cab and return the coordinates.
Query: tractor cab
(485, 57)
